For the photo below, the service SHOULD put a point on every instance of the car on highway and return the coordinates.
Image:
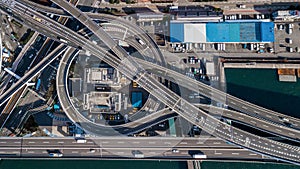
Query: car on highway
(30, 56)
(175, 151)
(80, 140)
(55, 154)
(140, 41)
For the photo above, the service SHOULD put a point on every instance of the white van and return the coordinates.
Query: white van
(79, 140)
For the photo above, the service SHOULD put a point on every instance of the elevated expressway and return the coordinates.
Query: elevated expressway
(33, 72)
(122, 147)
(206, 122)
(233, 102)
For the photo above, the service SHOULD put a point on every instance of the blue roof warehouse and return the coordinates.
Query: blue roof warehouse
(224, 32)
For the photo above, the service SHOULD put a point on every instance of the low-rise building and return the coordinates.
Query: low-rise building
(286, 15)
(221, 32)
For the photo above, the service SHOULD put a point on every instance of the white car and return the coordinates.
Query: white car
(175, 151)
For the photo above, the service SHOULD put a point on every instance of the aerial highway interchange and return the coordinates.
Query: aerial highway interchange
(140, 71)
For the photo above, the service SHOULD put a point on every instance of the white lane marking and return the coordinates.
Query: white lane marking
(46, 142)
(31, 142)
(60, 142)
(2, 142)
(183, 143)
(74, 152)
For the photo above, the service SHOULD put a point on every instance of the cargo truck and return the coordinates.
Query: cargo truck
(202, 156)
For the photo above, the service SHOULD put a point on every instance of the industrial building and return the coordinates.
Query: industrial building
(221, 32)
(196, 13)
(148, 17)
(286, 15)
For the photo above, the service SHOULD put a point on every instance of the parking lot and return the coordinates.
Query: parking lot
(287, 37)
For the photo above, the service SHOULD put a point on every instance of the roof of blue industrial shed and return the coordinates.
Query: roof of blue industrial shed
(177, 32)
(227, 32)
(222, 32)
(267, 29)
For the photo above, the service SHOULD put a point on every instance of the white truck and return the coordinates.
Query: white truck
(141, 42)
(202, 156)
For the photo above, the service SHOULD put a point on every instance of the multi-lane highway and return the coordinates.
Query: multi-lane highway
(208, 123)
(122, 147)
(33, 72)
